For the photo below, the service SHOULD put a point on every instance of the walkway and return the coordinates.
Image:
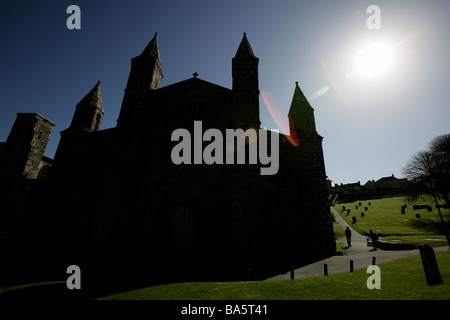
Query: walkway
(359, 253)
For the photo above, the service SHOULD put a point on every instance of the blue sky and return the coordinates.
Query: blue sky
(371, 125)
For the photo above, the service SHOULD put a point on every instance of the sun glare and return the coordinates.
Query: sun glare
(374, 60)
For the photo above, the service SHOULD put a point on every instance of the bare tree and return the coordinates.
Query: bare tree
(432, 165)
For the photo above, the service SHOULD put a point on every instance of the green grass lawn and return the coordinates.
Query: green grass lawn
(338, 232)
(384, 217)
(402, 279)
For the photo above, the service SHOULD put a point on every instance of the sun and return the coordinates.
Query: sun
(374, 60)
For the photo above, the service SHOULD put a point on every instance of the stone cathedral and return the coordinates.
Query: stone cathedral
(113, 202)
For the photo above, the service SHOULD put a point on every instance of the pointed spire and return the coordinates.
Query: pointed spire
(299, 100)
(245, 49)
(93, 98)
(301, 113)
(152, 49)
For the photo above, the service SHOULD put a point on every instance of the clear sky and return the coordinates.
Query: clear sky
(375, 105)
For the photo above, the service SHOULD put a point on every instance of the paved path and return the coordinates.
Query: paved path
(359, 253)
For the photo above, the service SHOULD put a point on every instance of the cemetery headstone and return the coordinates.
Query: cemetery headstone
(430, 265)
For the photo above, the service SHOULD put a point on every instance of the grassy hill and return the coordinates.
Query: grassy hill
(384, 216)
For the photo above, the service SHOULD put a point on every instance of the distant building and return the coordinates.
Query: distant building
(349, 187)
(389, 183)
(371, 189)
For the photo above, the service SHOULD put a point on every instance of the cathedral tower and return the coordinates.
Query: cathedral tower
(86, 121)
(245, 87)
(25, 146)
(89, 111)
(146, 74)
(302, 127)
(301, 114)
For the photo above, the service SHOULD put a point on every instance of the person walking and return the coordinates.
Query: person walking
(374, 237)
(348, 234)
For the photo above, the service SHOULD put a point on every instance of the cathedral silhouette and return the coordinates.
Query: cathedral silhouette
(113, 202)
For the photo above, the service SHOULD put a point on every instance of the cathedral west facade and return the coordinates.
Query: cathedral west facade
(114, 202)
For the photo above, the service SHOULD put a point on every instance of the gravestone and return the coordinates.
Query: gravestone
(429, 208)
(365, 208)
(370, 204)
(417, 215)
(430, 265)
(343, 208)
(362, 214)
(354, 220)
(356, 207)
(403, 210)
(360, 204)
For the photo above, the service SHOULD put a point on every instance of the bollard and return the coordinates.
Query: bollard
(351, 265)
(292, 273)
(373, 261)
(325, 269)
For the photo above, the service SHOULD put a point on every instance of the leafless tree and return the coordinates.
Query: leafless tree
(432, 165)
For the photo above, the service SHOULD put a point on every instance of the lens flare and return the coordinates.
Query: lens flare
(334, 85)
(320, 92)
(280, 119)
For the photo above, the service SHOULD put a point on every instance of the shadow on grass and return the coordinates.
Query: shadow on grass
(427, 226)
